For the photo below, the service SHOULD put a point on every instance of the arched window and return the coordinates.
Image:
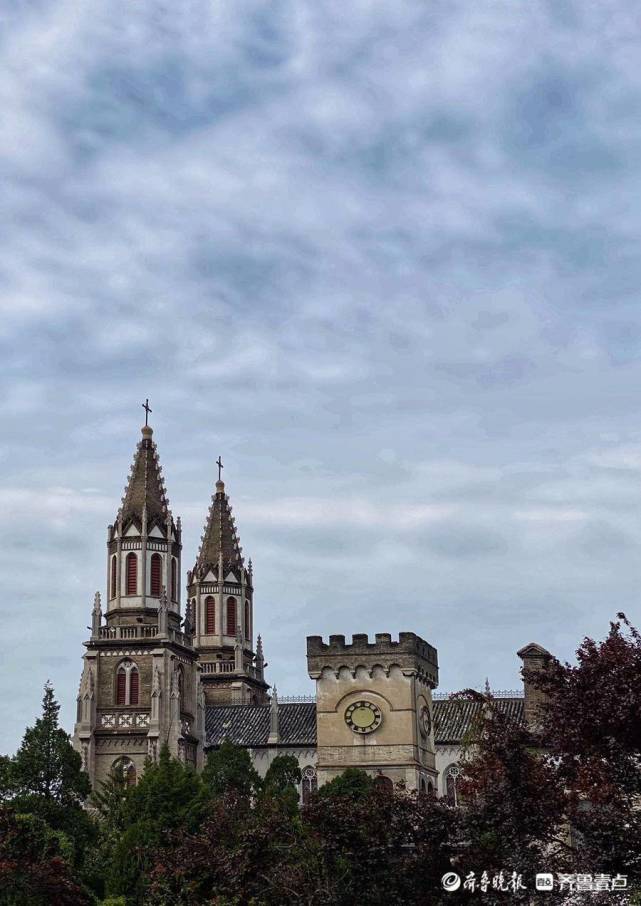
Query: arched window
(156, 575)
(430, 788)
(452, 775)
(174, 579)
(248, 633)
(126, 769)
(231, 616)
(132, 574)
(114, 566)
(309, 784)
(383, 784)
(181, 682)
(121, 686)
(127, 683)
(134, 685)
(210, 615)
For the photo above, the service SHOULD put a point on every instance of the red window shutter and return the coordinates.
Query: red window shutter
(132, 574)
(156, 575)
(121, 686)
(133, 687)
(113, 577)
(231, 616)
(210, 616)
(174, 597)
(247, 626)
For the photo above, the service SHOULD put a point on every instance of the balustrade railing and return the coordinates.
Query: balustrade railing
(126, 633)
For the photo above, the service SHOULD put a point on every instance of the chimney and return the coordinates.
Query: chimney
(535, 659)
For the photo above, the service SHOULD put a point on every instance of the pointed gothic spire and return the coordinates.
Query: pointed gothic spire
(96, 615)
(219, 536)
(274, 734)
(146, 487)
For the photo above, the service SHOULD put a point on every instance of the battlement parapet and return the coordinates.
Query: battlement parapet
(409, 652)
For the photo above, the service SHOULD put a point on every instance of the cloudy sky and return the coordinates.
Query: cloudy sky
(383, 258)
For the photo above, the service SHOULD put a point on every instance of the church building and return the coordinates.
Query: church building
(157, 673)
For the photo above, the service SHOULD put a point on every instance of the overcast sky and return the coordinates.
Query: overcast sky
(383, 257)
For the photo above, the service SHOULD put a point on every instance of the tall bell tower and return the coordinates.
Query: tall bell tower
(221, 593)
(139, 687)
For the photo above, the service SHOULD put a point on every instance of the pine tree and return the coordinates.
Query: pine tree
(112, 800)
(46, 766)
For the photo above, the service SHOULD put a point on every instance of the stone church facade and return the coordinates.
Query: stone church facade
(157, 673)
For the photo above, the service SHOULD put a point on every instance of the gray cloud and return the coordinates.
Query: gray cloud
(384, 260)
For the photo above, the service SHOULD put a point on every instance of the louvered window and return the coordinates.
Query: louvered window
(231, 616)
(248, 634)
(121, 687)
(156, 575)
(210, 616)
(133, 687)
(132, 574)
(174, 579)
(113, 577)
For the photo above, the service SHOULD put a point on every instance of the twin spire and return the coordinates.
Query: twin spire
(146, 489)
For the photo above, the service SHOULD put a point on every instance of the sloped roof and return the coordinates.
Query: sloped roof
(453, 717)
(145, 484)
(219, 534)
(248, 725)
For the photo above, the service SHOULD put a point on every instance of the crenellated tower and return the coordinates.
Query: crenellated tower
(221, 591)
(139, 687)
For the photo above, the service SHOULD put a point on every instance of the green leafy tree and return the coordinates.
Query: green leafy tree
(35, 864)
(352, 783)
(229, 769)
(111, 800)
(169, 798)
(6, 782)
(281, 781)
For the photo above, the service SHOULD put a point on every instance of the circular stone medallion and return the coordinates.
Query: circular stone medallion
(363, 717)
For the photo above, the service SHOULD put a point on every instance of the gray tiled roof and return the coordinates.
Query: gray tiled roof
(453, 717)
(248, 725)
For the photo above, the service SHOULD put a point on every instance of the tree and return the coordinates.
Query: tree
(46, 768)
(229, 769)
(111, 800)
(512, 801)
(352, 783)
(168, 798)
(281, 781)
(590, 724)
(379, 847)
(45, 778)
(35, 864)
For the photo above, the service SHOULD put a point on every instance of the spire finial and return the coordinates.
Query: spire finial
(147, 409)
(219, 463)
(488, 691)
(274, 734)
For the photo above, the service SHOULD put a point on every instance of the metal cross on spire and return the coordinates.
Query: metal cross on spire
(147, 409)
(219, 463)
